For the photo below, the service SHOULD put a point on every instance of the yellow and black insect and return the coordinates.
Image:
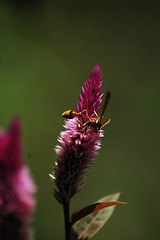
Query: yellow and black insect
(94, 122)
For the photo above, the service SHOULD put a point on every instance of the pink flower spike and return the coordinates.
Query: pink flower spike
(79, 142)
(16, 187)
(91, 97)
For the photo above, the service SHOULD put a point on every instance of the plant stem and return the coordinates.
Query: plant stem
(66, 209)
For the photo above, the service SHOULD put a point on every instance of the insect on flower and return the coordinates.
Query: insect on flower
(79, 142)
(94, 122)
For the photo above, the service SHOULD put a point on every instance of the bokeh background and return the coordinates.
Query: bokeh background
(47, 50)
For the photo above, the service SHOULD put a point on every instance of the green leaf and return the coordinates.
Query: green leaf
(89, 225)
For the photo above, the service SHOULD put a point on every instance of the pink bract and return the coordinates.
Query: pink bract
(16, 187)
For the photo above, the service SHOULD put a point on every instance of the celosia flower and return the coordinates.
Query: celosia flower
(79, 142)
(16, 187)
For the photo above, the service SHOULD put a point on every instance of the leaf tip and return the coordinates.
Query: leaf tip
(117, 195)
(124, 203)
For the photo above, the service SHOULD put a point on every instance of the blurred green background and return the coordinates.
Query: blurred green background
(47, 50)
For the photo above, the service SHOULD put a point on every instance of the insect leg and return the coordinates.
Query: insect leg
(95, 113)
(105, 123)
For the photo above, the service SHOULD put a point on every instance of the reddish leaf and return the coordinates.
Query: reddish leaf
(92, 208)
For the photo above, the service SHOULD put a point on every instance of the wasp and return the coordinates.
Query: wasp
(95, 122)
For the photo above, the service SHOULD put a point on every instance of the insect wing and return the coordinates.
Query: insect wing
(107, 99)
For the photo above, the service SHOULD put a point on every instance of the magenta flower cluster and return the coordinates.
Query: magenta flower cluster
(78, 144)
(16, 187)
